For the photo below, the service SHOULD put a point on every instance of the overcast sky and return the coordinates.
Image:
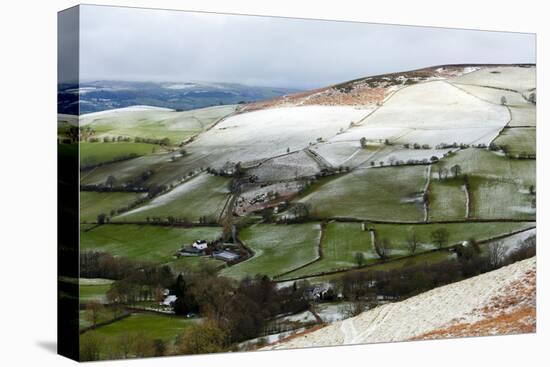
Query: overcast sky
(160, 45)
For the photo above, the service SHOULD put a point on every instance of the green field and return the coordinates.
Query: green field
(518, 140)
(340, 243)
(94, 203)
(154, 326)
(177, 126)
(494, 199)
(277, 248)
(96, 153)
(458, 232)
(94, 289)
(391, 193)
(156, 244)
(203, 195)
(447, 200)
(483, 163)
(343, 240)
(84, 322)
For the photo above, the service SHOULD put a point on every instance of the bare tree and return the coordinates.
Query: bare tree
(110, 182)
(456, 170)
(496, 254)
(93, 311)
(440, 236)
(381, 247)
(412, 243)
(359, 258)
(351, 309)
(444, 173)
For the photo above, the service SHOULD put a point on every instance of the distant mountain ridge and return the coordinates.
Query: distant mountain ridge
(106, 95)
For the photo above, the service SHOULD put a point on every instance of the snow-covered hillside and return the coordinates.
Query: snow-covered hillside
(500, 302)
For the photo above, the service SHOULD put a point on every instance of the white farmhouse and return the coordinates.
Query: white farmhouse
(169, 300)
(200, 245)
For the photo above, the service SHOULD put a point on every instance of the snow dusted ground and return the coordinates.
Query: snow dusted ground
(493, 95)
(507, 77)
(267, 133)
(462, 303)
(305, 316)
(290, 166)
(514, 242)
(69, 119)
(140, 116)
(88, 117)
(437, 112)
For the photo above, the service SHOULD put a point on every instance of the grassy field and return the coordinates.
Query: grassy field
(390, 193)
(278, 249)
(96, 153)
(204, 195)
(94, 203)
(156, 124)
(518, 140)
(343, 240)
(447, 200)
(507, 77)
(483, 163)
(458, 232)
(154, 326)
(84, 322)
(146, 242)
(340, 243)
(94, 289)
(494, 198)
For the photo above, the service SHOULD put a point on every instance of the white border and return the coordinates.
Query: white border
(28, 181)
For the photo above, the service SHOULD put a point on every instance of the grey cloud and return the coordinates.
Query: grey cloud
(158, 45)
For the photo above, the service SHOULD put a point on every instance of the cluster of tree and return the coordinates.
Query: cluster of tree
(75, 134)
(240, 311)
(443, 172)
(296, 213)
(97, 264)
(416, 146)
(410, 280)
(135, 184)
(230, 169)
(163, 141)
(109, 139)
(454, 145)
(145, 283)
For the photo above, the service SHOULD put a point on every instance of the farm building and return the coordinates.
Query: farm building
(169, 300)
(200, 245)
(226, 255)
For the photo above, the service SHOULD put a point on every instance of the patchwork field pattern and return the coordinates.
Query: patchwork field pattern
(393, 193)
(202, 196)
(94, 203)
(277, 249)
(155, 123)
